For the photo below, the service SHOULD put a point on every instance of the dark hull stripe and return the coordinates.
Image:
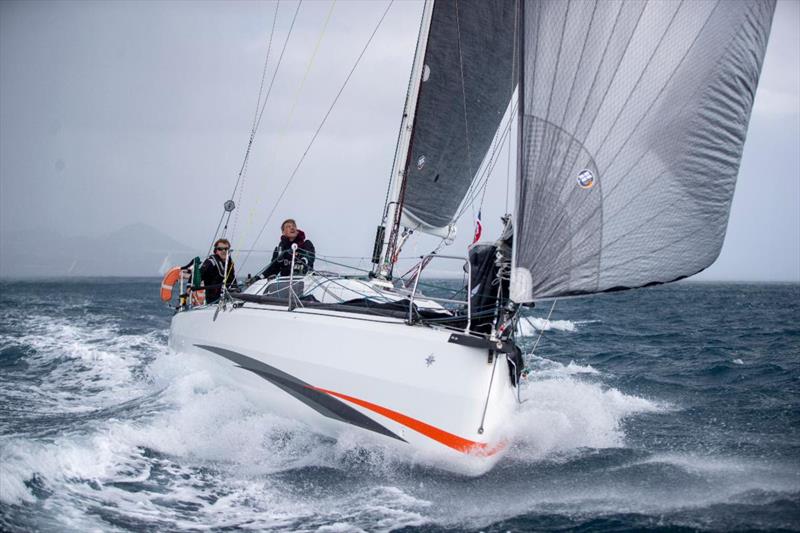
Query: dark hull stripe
(321, 402)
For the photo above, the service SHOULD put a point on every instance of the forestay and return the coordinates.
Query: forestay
(635, 115)
(467, 81)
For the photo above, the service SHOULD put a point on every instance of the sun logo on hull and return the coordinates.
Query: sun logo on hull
(430, 360)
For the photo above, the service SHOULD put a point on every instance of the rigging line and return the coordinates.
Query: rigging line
(385, 214)
(505, 136)
(463, 93)
(426, 260)
(225, 227)
(514, 74)
(266, 62)
(490, 169)
(254, 129)
(259, 104)
(242, 177)
(546, 323)
(472, 193)
(319, 128)
(308, 67)
(480, 182)
(272, 80)
(508, 174)
(299, 89)
(499, 142)
(216, 232)
(278, 66)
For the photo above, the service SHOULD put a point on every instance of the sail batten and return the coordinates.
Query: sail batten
(635, 115)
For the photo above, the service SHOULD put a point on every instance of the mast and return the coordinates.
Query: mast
(520, 124)
(393, 207)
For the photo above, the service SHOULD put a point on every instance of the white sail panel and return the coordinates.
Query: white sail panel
(635, 115)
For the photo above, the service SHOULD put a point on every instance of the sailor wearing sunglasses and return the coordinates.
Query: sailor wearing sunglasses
(212, 271)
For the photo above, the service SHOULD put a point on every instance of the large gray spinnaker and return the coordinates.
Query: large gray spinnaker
(635, 116)
(467, 82)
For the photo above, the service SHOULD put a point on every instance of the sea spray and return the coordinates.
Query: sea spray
(562, 414)
(103, 428)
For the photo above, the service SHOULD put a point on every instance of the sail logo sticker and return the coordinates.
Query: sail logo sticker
(585, 179)
(420, 162)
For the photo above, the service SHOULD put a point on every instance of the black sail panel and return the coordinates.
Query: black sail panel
(466, 87)
(635, 115)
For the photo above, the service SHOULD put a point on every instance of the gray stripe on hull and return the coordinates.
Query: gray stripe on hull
(321, 402)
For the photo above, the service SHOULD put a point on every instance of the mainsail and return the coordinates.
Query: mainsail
(635, 114)
(466, 84)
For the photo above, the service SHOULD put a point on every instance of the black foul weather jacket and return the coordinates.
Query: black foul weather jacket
(282, 257)
(211, 272)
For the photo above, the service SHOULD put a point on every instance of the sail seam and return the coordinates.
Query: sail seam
(624, 105)
(618, 182)
(563, 217)
(553, 146)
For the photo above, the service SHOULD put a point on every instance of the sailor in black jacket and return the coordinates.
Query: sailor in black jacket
(282, 255)
(212, 269)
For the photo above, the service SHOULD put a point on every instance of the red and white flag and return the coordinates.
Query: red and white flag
(478, 228)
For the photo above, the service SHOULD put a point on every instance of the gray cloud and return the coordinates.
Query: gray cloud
(114, 113)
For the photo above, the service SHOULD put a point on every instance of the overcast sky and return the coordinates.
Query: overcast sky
(114, 113)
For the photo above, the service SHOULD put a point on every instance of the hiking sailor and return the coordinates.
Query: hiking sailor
(282, 255)
(213, 268)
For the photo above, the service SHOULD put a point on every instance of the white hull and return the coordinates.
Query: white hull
(338, 371)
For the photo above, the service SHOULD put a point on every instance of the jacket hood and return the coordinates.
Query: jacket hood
(299, 240)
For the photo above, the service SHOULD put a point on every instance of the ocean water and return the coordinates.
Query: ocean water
(672, 408)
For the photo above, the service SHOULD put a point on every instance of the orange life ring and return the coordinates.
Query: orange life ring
(169, 281)
(199, 297)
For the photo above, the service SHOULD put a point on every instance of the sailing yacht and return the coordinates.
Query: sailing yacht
(630, 117)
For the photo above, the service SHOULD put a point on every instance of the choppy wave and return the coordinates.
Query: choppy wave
(564, 414)
(104, 428)
(196, 451)
(530, 326)
(80, 368)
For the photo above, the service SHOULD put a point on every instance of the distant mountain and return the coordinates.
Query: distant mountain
(135, 250)
(142, 237)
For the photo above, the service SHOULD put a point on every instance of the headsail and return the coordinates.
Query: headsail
(466, 86)
(635, 115)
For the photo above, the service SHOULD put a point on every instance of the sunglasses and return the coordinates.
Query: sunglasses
(221, 249)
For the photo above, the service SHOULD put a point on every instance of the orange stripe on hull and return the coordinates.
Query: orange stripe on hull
(439, 435)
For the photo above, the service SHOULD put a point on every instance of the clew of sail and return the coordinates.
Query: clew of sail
(634, 119)
(466, 84)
